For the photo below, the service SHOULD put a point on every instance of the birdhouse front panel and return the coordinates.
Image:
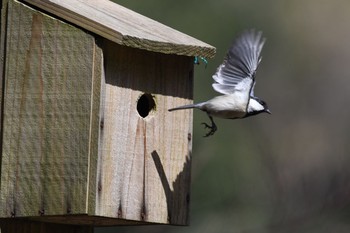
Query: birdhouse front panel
(144, 151)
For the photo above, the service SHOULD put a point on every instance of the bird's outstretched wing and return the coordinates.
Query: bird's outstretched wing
(237, 72)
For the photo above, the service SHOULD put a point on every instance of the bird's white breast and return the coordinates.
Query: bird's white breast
(227, 106)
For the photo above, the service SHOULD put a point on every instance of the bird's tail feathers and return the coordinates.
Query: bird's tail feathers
(184, 107)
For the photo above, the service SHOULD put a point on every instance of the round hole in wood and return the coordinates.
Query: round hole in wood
(145, 104)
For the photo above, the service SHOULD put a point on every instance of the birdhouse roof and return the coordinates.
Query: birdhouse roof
(125, 26)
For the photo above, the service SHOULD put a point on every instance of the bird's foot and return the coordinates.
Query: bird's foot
(212, 128)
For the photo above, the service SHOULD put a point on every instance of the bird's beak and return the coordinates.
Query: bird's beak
(268, 111)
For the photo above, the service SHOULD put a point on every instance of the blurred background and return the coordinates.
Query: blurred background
(285, 172)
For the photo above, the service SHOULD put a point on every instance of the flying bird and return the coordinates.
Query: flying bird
(235, 80)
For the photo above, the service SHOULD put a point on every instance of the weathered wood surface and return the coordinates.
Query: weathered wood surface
(125, 27)
(50, 92)
(144, 167)
(27, 226)
(73, 140)
(3, 20)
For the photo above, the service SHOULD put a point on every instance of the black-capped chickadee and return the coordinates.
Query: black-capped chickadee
(235, 79)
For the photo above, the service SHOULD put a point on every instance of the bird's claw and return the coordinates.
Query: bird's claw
(206, 125)
(212, 128)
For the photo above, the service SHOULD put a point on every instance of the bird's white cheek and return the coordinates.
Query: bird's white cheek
(255, 106)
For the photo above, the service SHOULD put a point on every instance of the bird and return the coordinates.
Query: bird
(234, 79)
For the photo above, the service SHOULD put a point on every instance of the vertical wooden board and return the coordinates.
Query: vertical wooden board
(3, 20)
(47, 104)
(144, 167)
(94, 129)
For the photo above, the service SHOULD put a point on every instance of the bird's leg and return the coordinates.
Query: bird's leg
(212, 127)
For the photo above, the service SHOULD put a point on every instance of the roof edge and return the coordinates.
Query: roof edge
(124, 26)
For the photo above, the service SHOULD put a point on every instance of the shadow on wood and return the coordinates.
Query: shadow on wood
(175, 198)
(150, 72)
(18, 225)
(81, 116)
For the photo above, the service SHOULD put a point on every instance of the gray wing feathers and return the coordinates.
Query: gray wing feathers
(240, 63)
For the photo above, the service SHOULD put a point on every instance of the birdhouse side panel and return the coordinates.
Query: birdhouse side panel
(47, 107)
(145, 151)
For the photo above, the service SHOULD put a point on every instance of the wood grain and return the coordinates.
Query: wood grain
(3, 23)
(125, 27)
(75, 148)
(47, 107)
(144, 167)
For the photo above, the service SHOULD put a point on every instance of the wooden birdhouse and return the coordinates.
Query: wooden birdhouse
(86, 137)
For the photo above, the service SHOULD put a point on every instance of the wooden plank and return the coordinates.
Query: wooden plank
(28, 226)
(3, 22)
(87, 220)
(47, 107)
(98, 73)
(125, 27)
(144, 167)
